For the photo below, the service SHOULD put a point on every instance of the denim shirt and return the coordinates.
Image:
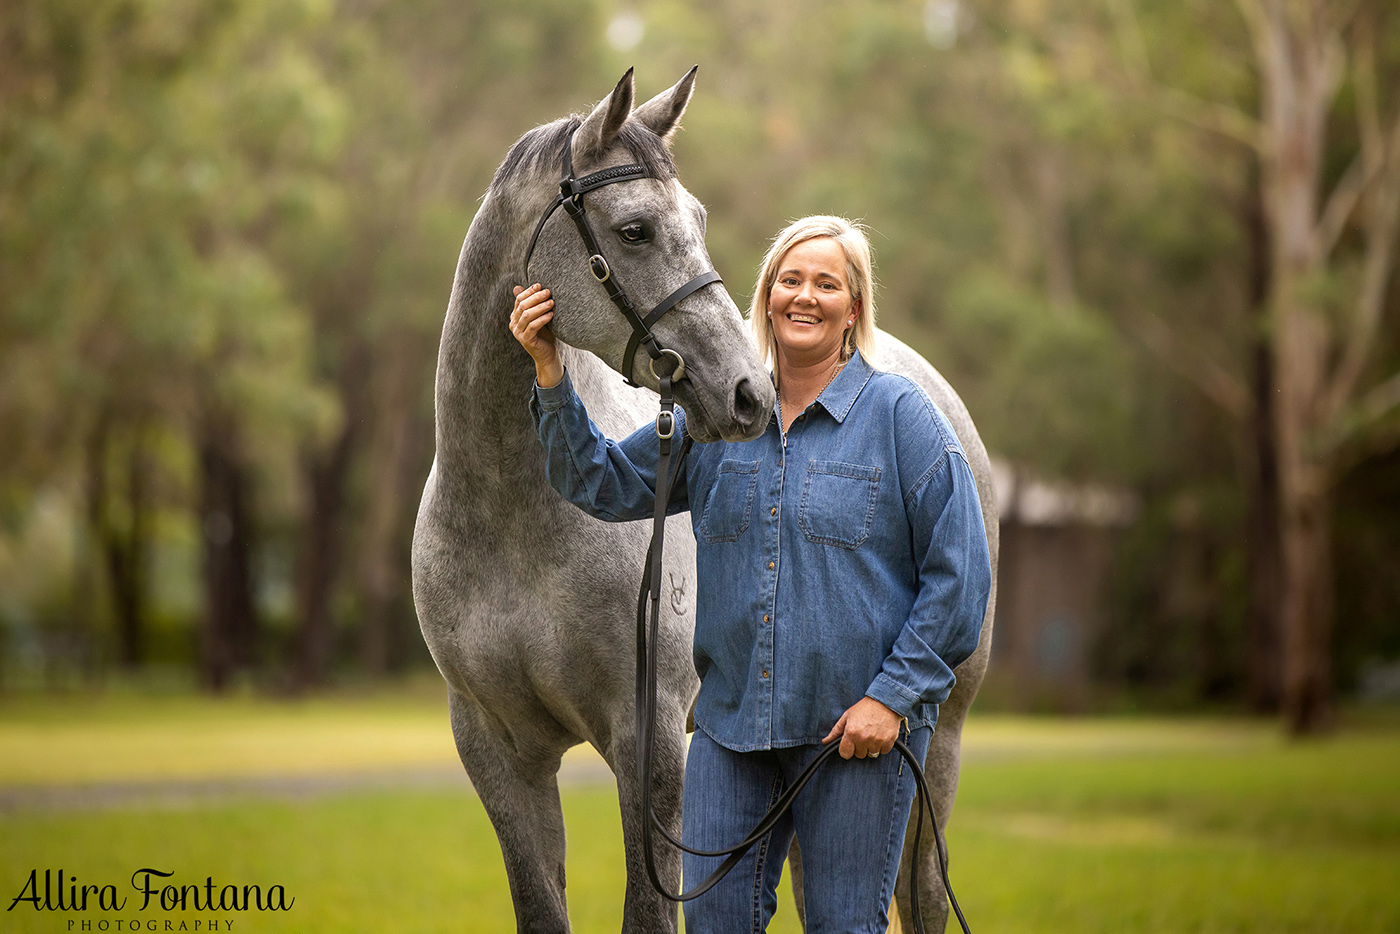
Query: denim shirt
(846, 559)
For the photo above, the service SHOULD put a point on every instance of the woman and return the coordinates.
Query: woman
(843, 574)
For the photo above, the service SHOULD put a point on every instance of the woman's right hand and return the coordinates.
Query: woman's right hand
(529, 322)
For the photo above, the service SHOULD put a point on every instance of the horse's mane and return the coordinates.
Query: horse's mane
(546, 143)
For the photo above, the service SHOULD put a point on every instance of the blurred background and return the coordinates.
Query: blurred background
(1151, 242)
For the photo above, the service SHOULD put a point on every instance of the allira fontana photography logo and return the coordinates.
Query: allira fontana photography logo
(150, 890)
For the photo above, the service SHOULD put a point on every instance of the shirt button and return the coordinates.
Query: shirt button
(765, 617)
(770, 565)
(765, 672)
(773, 511)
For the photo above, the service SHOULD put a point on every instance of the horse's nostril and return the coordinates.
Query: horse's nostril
(746, 405)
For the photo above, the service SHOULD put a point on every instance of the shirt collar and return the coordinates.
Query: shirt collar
(838, 397)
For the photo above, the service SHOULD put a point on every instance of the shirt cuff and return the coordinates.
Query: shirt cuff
(893, 695)
(556, 396)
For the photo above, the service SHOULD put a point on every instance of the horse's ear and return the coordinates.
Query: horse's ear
(598, 131)
(662, 114)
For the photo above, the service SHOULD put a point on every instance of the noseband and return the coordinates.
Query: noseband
(571, 192)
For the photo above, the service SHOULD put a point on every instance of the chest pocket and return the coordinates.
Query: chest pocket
(726, 515)
(838, 503)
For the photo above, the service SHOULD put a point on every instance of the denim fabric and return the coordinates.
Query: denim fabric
(849, 820)
(845, 559)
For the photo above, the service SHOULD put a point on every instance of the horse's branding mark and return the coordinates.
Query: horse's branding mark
(677, 594)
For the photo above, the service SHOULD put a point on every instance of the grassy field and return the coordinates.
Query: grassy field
(1082, 826)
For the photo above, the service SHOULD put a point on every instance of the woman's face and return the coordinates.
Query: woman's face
(810, 303)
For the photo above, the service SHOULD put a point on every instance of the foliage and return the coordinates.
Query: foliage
(237, 221)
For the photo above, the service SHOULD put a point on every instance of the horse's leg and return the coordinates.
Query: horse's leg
(941, 769)
(941, 766)
(646, 911)
(795, 877)
(522, 799)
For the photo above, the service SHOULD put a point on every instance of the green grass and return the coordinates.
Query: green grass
(1073, 826)
(84, 738)
(1262, 836)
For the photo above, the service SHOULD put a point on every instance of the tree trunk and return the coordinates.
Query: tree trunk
(229, 638)
(1299, 83)
(77, 644)
(1264, 559)
(320, 556)
(119, 536)
(1304, 523)
(392, 478)
(126, 559)
(1308, 605)
(323, 531)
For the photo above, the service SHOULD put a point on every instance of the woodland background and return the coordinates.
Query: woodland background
(1152, 242)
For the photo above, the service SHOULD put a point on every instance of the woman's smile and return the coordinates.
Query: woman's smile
(810, 301)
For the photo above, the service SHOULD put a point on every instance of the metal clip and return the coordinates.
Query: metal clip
(679, 368)
(665, 425)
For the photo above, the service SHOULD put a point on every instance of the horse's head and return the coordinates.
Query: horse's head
(651, 232)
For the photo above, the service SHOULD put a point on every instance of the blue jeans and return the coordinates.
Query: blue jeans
(849, 820)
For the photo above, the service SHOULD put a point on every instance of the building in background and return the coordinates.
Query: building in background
(1057, 548)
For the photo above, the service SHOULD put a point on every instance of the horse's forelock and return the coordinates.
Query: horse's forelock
(546, 144)
(648, 149)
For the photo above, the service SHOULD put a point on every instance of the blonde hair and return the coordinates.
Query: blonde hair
(859, 275)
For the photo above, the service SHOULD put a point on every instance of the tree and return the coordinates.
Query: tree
(147, 150)
(1327, 296)
(1312, 130)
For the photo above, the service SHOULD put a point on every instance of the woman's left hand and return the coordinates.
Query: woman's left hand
(867, 728)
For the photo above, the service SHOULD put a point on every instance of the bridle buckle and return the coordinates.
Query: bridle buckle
(599, 267)
(665, 425)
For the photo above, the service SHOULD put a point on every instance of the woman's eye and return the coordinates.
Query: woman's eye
(633, 233)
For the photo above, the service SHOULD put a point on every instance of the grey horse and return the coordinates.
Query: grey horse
(525, 602)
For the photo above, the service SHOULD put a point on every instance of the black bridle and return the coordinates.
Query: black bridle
(571, 192)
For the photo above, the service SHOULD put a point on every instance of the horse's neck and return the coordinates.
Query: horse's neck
(484, 378)
(486, 439)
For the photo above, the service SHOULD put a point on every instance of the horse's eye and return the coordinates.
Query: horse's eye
(633, 233)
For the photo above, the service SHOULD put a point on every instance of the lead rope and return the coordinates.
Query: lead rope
(649, 598)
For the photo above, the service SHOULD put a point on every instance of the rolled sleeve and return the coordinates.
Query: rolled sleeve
(610, 480)
(553, 398)
(955, 576)
(893, 695)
